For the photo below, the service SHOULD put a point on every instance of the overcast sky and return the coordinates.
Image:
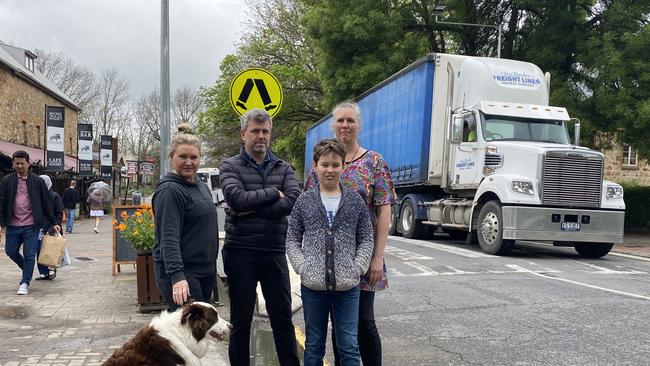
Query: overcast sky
(125, 34)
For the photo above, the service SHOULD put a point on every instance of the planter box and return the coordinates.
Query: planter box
(149, 296)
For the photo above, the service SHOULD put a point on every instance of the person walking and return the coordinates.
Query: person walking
(260, 191)
(367, 173)
(70, 199)
(49, 273)
(96, 202)
(24, 210)
(186, 233)
(330, 242)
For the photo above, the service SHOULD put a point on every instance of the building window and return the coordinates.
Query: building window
(29, 63)
(70, 140)
(24, 132)
(629, 156)
(38, 136)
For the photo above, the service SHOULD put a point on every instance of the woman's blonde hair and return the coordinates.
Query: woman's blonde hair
(184, 136)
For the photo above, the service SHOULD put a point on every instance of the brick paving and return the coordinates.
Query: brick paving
(80, 317)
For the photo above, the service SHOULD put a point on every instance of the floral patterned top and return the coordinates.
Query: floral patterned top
(370, 177)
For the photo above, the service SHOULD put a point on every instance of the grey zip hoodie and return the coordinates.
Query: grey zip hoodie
(186, 228)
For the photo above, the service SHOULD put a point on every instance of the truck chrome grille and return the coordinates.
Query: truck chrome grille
(493, 160)
(572, 179)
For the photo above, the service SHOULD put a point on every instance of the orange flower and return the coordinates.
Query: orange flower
(124, 214)
(121, 226)
(138, 213)
(114, 222)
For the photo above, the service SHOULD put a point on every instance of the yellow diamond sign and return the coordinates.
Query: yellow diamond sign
(255, 88)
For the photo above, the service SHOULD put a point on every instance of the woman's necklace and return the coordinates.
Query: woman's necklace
(355, 154)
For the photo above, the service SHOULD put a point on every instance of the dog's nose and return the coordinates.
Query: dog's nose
(229, 326)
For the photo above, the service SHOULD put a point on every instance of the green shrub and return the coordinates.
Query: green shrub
(637, 207)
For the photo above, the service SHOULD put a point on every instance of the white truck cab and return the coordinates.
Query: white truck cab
(210, 176)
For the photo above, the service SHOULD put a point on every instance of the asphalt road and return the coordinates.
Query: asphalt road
(451, 304)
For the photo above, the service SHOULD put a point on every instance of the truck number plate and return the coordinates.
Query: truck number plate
(570, 226)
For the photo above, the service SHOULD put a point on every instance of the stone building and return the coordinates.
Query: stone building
(622, 165)
(24, 93)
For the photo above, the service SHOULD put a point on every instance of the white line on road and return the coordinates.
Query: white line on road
(424, 270)
(604, 270)
(624, 255)
(443, 248)
(405, 255)
(526, 270)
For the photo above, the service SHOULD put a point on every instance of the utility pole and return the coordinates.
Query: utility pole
(164, 86)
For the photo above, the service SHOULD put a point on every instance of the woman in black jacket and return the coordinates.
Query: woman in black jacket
(185, 249)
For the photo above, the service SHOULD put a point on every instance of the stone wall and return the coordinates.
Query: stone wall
(22, 113)
(617, 172)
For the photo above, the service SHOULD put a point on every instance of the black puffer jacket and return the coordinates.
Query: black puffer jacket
(257, 219)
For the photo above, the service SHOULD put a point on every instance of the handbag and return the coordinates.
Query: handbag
(52, 249)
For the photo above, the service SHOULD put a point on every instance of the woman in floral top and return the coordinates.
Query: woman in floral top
(367, 173)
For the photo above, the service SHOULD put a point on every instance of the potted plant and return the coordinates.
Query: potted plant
(138, 229)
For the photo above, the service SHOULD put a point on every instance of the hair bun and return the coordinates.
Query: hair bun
(185, 128)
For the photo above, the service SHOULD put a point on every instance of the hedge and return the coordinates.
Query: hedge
(637, 207)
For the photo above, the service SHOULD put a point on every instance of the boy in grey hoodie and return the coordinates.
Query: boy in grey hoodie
(329, 243)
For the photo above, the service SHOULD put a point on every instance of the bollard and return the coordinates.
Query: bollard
(137, 198)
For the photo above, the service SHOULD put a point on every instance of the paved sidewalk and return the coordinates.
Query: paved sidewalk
(635, 244)
(80, 317)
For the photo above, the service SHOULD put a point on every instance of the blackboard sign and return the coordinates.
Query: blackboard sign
(123, 251)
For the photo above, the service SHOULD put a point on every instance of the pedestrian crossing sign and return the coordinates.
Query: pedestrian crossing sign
(255, 88)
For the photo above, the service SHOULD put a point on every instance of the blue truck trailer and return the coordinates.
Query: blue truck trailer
(519, 178)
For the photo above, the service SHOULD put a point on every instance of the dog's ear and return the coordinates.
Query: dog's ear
(198, 319)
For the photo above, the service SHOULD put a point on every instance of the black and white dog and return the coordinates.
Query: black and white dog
(178, 338)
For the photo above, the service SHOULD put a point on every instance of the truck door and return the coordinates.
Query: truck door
(466, 162)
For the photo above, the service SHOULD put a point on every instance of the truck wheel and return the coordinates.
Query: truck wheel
(490, 230)
(593, 250)
(409, 226)
(392, 228)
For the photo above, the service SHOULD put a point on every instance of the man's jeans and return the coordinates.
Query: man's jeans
(27, 236)
(69, 224)
(345, 311)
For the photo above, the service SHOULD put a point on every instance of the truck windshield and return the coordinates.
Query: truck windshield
(507, 128)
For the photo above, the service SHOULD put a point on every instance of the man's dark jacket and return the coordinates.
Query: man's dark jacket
(70, 198)
(257, 219)
(42, 211)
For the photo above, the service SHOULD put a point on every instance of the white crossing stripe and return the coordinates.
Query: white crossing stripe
(404, 254)
(443, 248)
(603, 270)
(623, 293)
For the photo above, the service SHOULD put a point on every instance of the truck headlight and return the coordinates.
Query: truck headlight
(614, 192)
(523, 186)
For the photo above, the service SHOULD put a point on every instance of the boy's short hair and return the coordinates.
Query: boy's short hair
(327, 146)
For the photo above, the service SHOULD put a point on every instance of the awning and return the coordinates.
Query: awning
(35, 154)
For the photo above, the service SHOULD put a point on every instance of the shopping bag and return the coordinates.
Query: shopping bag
(65, 260)
(52, 250)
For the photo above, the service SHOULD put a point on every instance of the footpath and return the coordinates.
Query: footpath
(80, 317)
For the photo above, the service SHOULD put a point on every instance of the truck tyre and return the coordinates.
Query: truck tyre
(490, 230)
(593, 250)
(410, 227)
(392, 228)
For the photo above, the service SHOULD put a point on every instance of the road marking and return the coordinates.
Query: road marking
(631, 256)
(405, 255)
(604, 270)
(623, 293)
(444, 248)
(424, 270)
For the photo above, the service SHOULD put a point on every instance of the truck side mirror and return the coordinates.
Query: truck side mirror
(576, 137)
(456, 129)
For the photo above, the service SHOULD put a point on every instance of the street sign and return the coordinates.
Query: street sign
(131, 167)
(255, 88)
(146, 168)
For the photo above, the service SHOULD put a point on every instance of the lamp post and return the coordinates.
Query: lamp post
(439, 9)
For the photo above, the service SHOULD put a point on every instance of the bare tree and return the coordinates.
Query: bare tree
(77, 82)
(112, 113)
(186, 106)
(147, 111)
